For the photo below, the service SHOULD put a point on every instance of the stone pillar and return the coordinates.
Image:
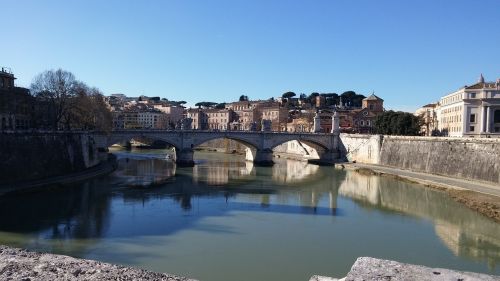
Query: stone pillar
(184, 157)
(488, 116)
(482, 128)
(317, 123)
(263, 157)
(335, 123)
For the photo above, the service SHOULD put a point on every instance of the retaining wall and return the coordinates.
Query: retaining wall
(361, 148)
(25, 157)
(468, 158)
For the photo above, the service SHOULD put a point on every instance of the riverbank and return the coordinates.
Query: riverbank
(19, 264)
(479, 196)
(99, 170)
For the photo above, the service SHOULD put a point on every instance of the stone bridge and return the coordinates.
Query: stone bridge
(259, 144)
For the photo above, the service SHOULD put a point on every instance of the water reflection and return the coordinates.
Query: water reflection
(462, 230)
(227, 199)
(59, 215)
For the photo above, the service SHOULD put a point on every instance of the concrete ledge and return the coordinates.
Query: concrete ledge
(18, 264)
(366, 268)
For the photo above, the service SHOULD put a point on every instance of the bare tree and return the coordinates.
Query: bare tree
(66, 103)
(56, 88)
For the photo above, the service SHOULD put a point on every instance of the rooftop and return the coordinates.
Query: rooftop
(373, 97)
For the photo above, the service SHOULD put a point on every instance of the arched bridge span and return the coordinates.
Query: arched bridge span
(263, 142)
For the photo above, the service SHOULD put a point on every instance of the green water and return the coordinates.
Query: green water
(225, 219)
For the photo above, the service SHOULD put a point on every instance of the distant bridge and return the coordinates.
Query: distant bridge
(260, 143)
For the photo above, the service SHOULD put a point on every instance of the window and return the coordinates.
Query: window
(472, 95)
(496, 117)
(472, 118)
(471, 129)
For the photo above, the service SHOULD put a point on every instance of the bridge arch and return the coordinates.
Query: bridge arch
(117, 139)
(246, 142)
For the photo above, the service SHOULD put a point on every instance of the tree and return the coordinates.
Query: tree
(397, 123)
(65, 103)
(352, 99)
(205, 104)
(288, 95)
(330, 98)
(221, 105)
(178, 103)
(55, 89)
(312, 97)
(243, 98)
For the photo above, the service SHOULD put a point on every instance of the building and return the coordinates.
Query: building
(246, 116)
(472, 111)
(363, 119)
(16, 103)
(198, 117)
(219, 119)
(173, 114)
(277, 115)
(428, 114)
(152, 119)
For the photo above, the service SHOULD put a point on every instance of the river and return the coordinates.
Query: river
(225, 219)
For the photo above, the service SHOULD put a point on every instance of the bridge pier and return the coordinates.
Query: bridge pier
(263, 157)
(327, 158)
(184, 157)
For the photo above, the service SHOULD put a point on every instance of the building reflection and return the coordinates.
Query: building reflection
(464, 231)
(144, 173)
(290, 171)
(222, 172)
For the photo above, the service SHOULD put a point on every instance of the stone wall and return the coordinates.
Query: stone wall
(34, 156)
(361, 148)
(296, 150)
(468, 158)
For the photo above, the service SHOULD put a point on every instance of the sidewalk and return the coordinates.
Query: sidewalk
(430, 179)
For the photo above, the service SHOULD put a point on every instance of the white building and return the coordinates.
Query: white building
(472, 111)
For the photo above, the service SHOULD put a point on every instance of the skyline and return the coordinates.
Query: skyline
(407, 53)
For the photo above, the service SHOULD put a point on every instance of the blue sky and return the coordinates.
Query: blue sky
(408, 52)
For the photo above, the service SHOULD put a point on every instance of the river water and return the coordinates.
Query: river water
(225, 219)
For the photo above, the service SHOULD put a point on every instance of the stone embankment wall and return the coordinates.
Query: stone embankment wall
(34, 156)
(469, 158)
(361, 148)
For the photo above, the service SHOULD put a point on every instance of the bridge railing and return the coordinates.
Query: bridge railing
(214, 131)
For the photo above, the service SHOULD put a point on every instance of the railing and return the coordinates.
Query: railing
(60, 132)
(217, 131)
